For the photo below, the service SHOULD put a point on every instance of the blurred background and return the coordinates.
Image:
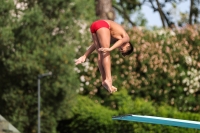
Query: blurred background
(161, 78)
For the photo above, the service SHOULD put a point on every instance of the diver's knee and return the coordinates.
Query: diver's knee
(105, 53)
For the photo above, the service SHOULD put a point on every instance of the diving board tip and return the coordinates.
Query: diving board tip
(159, 120)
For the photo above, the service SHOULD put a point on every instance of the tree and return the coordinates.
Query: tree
(37, 37)
(166, 16)
(127, 9)
(124, 7)
(104, 9)
(194, 11)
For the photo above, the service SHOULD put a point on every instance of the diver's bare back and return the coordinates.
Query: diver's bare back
(116, 30)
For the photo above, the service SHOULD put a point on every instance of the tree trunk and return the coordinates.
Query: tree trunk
(104, 9)
(161, 13)
(191, 11)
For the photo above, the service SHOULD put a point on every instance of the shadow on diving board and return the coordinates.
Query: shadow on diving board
(159, 120)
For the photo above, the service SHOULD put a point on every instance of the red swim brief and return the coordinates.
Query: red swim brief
(97, 25)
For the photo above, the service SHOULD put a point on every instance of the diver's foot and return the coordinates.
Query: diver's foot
(105, 84)
(114, 89)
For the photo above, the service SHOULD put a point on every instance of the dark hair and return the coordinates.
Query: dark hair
(129, 50)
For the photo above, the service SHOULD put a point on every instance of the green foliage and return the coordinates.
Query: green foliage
(89, 116)
(6, 24)
(38, 38)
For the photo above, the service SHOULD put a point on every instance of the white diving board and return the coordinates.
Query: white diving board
(159, 120)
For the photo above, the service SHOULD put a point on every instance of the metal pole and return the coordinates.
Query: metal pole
(39, 106)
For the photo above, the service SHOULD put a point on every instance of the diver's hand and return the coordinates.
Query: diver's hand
(80, 60)
(104, 49)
